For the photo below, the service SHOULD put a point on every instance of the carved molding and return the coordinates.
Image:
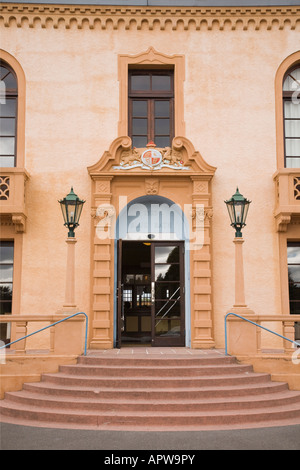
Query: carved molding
(112, 161)
(19, 221)
(149, 18)
(151, 186)
(103, 211)
(202, 213)
(287, 198)
(282, 222)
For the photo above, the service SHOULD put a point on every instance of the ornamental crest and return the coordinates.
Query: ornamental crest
(151, 158)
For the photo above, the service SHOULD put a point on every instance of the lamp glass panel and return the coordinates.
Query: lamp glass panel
(231, 213)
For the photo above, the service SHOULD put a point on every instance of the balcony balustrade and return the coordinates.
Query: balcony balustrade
(12, 197)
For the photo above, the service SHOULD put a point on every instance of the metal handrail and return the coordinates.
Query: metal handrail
(256, 324)
(48, 326)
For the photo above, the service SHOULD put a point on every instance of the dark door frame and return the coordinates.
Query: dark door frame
(171, 341)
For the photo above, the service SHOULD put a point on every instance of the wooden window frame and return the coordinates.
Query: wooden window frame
(12, 94)
(287, 96)
(146, 60)
(21, 104)
(293, 244)
(285, 67)
(151, 97)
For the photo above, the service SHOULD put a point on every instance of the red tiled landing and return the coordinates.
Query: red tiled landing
(161, 389)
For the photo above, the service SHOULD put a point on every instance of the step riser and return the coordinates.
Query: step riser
(153, 383)
(150, 372)
(156, 362)
(156, 395)
(155, 420)
(152, 407)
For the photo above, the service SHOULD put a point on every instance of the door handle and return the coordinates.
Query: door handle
(153, 292)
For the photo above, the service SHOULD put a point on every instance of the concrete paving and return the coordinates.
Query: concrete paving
(16, 437)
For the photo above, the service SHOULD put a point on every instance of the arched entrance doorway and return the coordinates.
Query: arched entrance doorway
(155, 193)
(152, 274)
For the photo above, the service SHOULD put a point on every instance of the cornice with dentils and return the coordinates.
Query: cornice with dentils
(149, 18)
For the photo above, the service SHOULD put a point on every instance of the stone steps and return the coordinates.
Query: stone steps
(165, 393)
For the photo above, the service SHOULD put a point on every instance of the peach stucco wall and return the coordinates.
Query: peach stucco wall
(72, 114)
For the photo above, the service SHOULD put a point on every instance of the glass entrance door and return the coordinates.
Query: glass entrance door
(167, 294)
(150, 293)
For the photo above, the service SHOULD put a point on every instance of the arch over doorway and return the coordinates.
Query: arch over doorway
(157, 221)
(122, 175)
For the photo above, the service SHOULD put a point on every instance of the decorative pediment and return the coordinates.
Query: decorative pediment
(122, 158)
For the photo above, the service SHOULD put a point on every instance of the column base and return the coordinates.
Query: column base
(98, 344)
(68, 310)
(242, 335)
(241, 310)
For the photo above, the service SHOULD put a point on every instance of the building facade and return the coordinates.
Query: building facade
(154, 115)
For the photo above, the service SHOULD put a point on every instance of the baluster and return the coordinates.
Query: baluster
(258, 338)
(288, 332)
(52, 338)
(20, 331)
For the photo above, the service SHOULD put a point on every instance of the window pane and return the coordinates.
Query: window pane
(163, 141)
(139, 108)
(5, 308)
(294, 273)
(140, 82)
(292, 128)
(291, 110)
(292, 81)
(294, 291)
(293, 258)
(295, 308)
(166, 254)
(6, 273)
(161, 82)
(7, 126)
(139, 126)
(7, 162)
(293, 253)
(10, 82)
(292, 147)
(6, 291)
(162, 108)
(3, 72)
(6, 253)
(167, 290)
(8, 109)
(167, 272)
(139, 142)
(162, 126)
(167, 318)
(7, 146)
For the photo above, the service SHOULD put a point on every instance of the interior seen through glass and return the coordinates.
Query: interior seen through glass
(144, 309)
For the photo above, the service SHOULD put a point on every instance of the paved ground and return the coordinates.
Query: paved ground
(15, 437)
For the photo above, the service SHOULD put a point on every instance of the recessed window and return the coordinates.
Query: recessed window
(8, 115)
(6, 285)
(151, 115)
(293, 253)
(291, 114)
